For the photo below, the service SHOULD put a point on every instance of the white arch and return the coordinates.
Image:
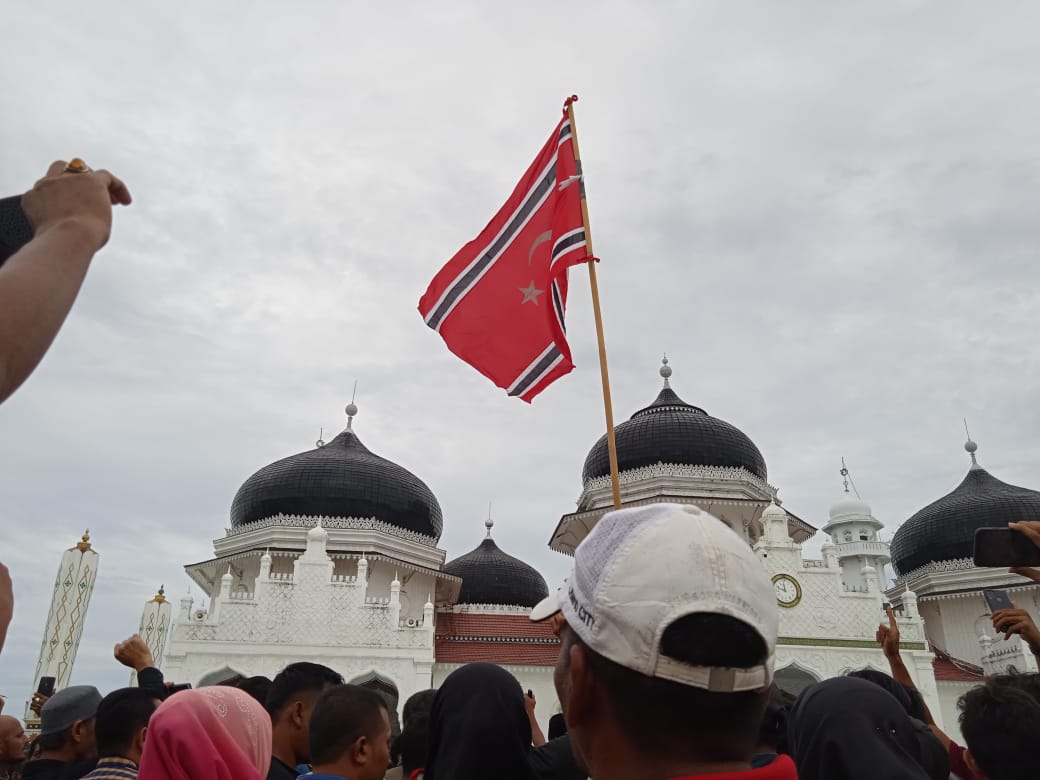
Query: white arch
(797, 677)
(217, 676)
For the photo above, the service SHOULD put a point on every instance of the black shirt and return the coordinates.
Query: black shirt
(280, 770)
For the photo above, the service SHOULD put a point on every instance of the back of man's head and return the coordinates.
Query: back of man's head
(667, 610)
(257, 686)
(772, 732)
(714, 726)
(350, 731)
(297, 681)
(1000, 721)
(414, 743)
(418, 703)
(122, 718)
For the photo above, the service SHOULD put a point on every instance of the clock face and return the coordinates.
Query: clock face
(788, 590)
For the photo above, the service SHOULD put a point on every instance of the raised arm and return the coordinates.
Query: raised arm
(71, 216)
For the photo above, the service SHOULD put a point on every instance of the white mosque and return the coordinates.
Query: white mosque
(332, 556)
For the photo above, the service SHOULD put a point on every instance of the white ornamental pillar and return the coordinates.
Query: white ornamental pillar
(155, 627)
(395, 603)
(64, 628)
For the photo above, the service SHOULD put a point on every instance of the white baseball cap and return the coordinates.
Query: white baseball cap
(641, 569)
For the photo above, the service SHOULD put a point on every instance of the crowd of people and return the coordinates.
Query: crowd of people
(668, 629)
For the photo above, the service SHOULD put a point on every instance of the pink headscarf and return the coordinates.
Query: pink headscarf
(213, 733)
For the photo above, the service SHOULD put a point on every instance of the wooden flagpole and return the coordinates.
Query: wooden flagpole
(608, 407)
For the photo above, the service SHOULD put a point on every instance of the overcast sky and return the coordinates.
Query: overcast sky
(824, 213)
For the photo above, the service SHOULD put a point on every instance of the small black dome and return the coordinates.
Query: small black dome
(673, 431)
(339, 479)
(490, 576)
(945, 529)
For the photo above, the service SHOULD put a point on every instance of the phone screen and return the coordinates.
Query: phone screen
(997, 600)
(46, 686)
(1004, 547)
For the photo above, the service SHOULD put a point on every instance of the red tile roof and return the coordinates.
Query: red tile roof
(950, 669)
(464, 637)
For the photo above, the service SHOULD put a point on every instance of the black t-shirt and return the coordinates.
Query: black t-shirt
(281, 771)
(555, 761)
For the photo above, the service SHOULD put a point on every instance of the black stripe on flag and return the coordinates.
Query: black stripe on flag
(558, 305)
(523, 384)
(578, 237)
(565, 132)
(463, 283)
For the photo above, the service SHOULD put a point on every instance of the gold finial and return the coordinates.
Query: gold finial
(160, 597)
(84, 544)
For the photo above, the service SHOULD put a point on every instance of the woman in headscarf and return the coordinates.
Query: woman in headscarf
(213, 733)
(479, 727)
(850, 729)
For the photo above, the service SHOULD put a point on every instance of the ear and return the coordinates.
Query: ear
(580, 687)
(137, 746)
(969, 759)
(296, 714)
(360, 751)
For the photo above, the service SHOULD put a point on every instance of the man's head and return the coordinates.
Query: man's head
(67, 724)
(122, 722)
(414, 743)
(350, 733)
(12, 741)
(290, 701)
(667, 610)
(418, 703)
(1000, 720)
(772, 732)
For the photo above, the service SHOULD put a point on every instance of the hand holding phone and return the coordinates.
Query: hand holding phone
(1005, 547)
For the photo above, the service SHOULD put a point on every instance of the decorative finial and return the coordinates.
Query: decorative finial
(844, 474)
(665, 370)
(84, 543)
(160, 597)
(970, 446)
(321, 440)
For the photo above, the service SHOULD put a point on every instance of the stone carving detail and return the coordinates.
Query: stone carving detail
(643, 473)
(347, 523)
(936, 567)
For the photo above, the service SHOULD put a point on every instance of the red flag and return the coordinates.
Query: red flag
(499, 303)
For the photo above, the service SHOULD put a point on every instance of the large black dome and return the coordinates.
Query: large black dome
(490, 576)
(339, 479)
(945, 529)
(673, 431)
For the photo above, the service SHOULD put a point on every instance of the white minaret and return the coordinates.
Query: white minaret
(155, 626)
(64, 628)
(854, 530)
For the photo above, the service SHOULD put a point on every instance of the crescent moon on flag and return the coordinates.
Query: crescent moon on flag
(541, 239)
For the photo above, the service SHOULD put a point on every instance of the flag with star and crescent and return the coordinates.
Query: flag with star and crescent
(499, 303)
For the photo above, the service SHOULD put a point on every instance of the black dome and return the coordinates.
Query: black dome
(673, 431)
(490, 576)
(340, 479)
(945, 529)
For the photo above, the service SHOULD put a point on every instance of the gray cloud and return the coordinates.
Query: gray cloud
(823, 214)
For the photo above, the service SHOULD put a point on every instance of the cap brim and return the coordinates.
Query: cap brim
(547, 607)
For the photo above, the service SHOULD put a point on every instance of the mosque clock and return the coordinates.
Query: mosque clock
(788, 590)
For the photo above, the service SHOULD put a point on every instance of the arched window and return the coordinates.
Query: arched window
(385, 687)
(794, 679)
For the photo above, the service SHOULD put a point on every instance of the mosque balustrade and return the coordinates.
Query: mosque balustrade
(866, 549)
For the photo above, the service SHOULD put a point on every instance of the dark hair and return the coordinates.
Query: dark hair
(414, 743)
(773, 730)
(417, 703)
(557, 726)
(294, 681)
(120, 715)
(713, 726)
(258, 687)
(341, 716)
(54, 741)
(1000, 720)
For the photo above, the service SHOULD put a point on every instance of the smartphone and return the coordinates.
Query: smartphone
(997, 599)
(1004, 547)
(886, 607)
(15, 230)
(46, 687)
